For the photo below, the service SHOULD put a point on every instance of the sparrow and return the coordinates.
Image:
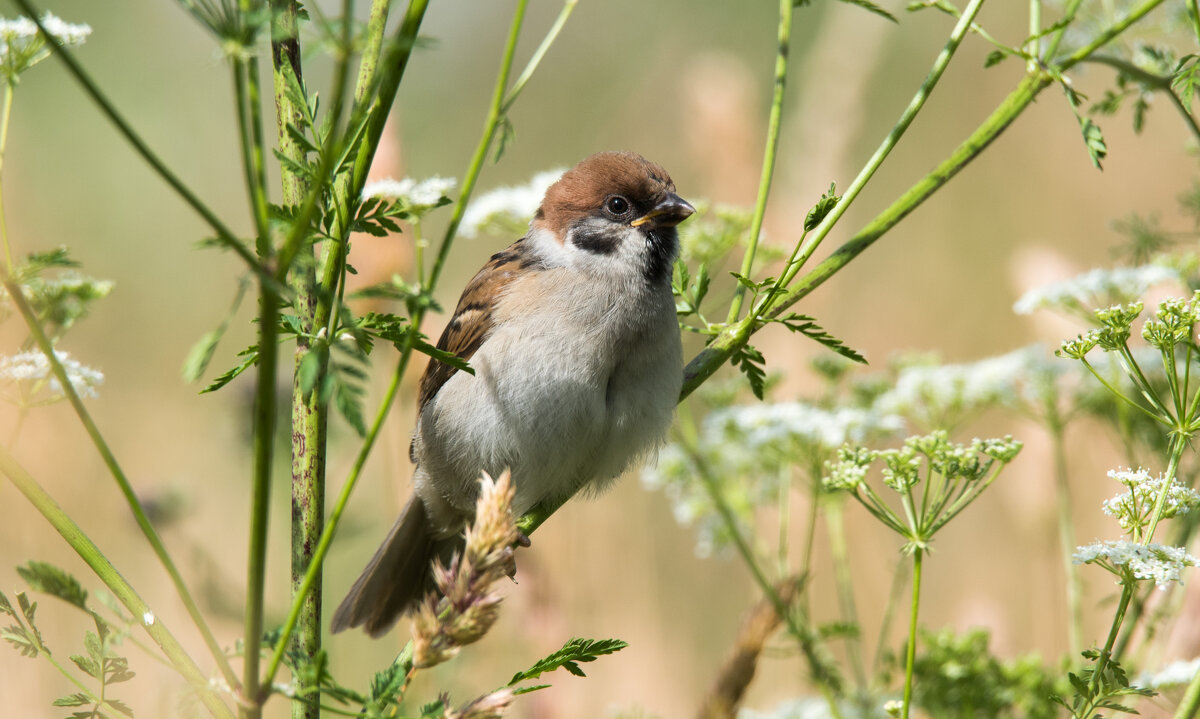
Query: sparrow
(572, 335)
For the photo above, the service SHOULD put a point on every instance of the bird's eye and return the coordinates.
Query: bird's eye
(616, 205)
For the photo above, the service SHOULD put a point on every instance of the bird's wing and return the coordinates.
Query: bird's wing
(472, 321)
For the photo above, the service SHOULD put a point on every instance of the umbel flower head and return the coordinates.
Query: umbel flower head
(1133, 508)
(468, 607)
(28, 379)
(507, 210)
(22, 46)
(1097, 288)
(1130, 561)
(935, 478)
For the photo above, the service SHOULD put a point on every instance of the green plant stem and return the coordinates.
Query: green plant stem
(772, 149)
(536, 59)
(940, 63)
(490, 125)
(911, 655)
(228, 239)
(1161, 83)
(1056, 39)
(135, 505)
(121, 589)
(263, 449)
(827, 680)
(1189, 707)
(835, 529)
(309, 417)
(709, 360)
(5, 114)
(1066, 536)
(1035, 28)
(1106, 653)
(312, 576)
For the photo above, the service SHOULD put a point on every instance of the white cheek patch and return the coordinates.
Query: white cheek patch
(547, 248)
(606, 247)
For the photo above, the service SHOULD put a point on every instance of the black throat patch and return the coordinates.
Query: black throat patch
(597, 240)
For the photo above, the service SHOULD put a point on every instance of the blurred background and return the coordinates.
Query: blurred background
(685, 83)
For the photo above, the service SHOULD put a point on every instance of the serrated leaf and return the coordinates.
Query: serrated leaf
(87, 665)
(251, 355)
(200, 355)
(575, 650)
(21, 640)
(507, 134)
(77, 699)
(309, 371)
(349, 403)
(872, 8)
(1094, 140)
(808, 327)
(995, 57)
(441, 355)
(6, 607)
(120, 706)
(749, 361)
(823, 207)
(527, 690)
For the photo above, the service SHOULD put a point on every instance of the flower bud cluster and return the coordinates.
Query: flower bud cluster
(468, 606)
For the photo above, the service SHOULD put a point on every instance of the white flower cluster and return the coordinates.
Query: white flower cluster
(933, 391)
(1175, 674)
(804, 708)
(507, 208)
(747, 448)
(781, 425)
(1156, 562)
(1132, 508)
(1096, 288)
(21, 46)
(33, 367)
(418, 197)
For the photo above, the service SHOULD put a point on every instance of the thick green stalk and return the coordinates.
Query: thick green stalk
(911, 654)
(312, 576)
(772, 150)
(228, 239)
(95, 559)
(110, 460)
(308, 415)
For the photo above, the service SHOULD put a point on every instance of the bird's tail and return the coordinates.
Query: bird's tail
(395, 579)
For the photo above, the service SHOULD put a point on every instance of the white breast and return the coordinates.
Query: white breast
(569, 390)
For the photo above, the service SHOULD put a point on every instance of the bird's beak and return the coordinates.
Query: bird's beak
(670, 212)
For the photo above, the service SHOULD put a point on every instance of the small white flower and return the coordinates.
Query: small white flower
(1175, 674)
(1133, 508)
(1156, 562)
(148, 618)
(22, 47)
(1095, 288)
(418, 197)
(506, 207)
(932, 391)
(65, 32)
(34, 367)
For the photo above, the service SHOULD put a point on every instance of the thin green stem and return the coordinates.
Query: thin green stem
(783, 46)
(911, 654)
(1104, 37)
(1106, 654)
(835, 529)
(121, 589)
(1189, 707)
(1178, 445)
(228, 239)
(490, 125)
(1035, 29)
(1066, 535)
(536, 58)
(1056, 39)
(17, 297)
(940, 63)
(5, 114)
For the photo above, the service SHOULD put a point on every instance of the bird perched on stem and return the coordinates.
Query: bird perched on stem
(572, 335)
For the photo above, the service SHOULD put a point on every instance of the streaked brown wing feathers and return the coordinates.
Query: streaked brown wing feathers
(472, 321)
